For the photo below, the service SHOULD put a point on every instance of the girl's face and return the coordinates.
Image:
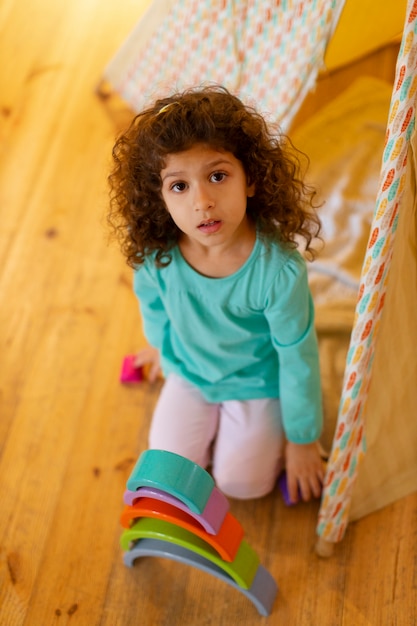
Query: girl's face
(205, 191)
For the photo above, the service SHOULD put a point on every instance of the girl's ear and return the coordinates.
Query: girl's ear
(250, 192)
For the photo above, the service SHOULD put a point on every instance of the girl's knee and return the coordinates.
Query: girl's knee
(182, 447)
(245, 485)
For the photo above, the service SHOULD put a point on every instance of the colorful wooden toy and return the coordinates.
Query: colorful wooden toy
(261, 593)
(174, 510)
(174, 474)
(242, 569)
(210, 519)
(283, 487)
(226, 542)
(130, 373)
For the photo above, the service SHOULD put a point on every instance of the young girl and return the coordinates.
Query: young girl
(208, 206)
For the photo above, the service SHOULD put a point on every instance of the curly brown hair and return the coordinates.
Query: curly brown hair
(282, 207)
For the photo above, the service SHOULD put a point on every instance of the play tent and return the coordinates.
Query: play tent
(363, 143)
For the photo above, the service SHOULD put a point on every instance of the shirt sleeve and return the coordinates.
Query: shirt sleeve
(154, 317)
(290, 315)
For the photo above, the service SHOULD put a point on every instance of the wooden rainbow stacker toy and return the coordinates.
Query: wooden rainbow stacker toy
(174, 510)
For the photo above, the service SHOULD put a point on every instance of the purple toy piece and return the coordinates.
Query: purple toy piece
(210, 519)
(130, 373)
(282, 484)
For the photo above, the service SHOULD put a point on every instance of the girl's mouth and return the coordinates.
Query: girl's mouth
(210, 226)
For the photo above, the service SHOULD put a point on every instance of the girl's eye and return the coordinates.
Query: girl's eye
(178, 187)
(218, 177)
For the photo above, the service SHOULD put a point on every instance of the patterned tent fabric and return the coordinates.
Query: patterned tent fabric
(349, 445)
(267, 51)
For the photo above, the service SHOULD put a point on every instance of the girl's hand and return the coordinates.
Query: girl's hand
(149, 358)
(305, 471)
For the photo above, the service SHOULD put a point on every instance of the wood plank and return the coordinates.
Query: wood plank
(60, 304)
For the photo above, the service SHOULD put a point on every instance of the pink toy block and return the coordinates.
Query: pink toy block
(130, 373)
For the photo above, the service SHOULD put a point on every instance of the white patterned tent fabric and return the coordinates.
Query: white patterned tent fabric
(268, 53)
(382, 424)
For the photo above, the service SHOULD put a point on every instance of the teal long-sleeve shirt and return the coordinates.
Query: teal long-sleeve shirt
(246, 336)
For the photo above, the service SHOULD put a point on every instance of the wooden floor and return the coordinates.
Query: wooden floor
(69, 431)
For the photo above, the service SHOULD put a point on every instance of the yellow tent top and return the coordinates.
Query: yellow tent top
(364, 26)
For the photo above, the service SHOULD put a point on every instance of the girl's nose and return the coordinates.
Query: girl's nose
(203, 199)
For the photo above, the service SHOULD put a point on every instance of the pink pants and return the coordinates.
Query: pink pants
(243, 440)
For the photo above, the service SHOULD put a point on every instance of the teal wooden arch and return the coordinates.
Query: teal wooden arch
(175, 475)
